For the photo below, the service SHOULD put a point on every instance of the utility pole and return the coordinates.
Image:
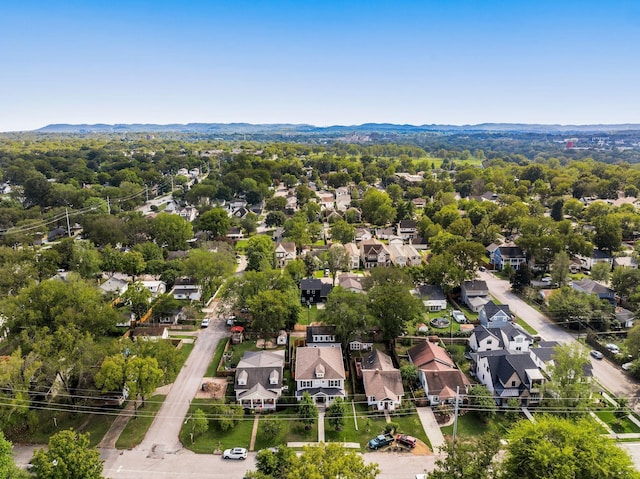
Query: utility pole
(108, 206)
(68, 225)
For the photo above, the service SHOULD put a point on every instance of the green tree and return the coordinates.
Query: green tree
(171, 231)
(142, 377)
(608, 233)
(348, 312)
(270, 428)
(343, 232)
(275, 218)
(270, 311)
(261, 253)
(215, 221)
(137, 297)
(556, 448)
(68, 456)
(227, 415)
(297, 270)
(377, 207)
(337, 259)
(209, 269)
(336, 413)
(199, 424)
(410, 375)
(568, 390)
(272, 464)
(467, 460)
(601, 272)
(85, 259)
(307, 410)
(111, 376)
(560, 270)
(481, 399)
(8, 467)
(330, 461)
(296, 230)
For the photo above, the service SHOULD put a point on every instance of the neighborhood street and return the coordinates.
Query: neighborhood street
(609, 375)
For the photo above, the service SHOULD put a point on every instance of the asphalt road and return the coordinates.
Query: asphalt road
(609, 375)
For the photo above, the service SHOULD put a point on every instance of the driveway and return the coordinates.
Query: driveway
(609, 375)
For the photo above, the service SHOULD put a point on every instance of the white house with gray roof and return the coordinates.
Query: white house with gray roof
(320, 372)
(258, 381)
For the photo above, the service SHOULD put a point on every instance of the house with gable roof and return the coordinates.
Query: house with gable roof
(495, 315)
(597, 256)
(382, 381)
(320, 372)
(432, 296)
(508, 375)
(589, 286)
(285, 253)
(373, 253)
(508, 256)
(507, 336)
(438, 374)
(475, 294)
(259, 379)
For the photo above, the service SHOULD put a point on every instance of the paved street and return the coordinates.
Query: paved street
(609, 375)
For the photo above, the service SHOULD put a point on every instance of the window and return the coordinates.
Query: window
(489, 341)
(513, 383)
(334, 383)
(306, 384)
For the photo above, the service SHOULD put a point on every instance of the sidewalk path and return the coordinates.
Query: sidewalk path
(321, 426)
(431, 427)
(254, 432)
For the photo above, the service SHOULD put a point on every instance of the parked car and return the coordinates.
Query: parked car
(381, 441)
(613, 348)
(458, 316)
(596, 354)
(627, 366)
(204, 323)
(231, 320)
(239, 453)
(406, 440)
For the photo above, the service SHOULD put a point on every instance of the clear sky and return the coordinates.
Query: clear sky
(321, 62)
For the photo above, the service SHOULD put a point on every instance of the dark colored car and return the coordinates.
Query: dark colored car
(406, 440)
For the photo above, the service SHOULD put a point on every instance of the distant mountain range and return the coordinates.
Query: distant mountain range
(248, 128)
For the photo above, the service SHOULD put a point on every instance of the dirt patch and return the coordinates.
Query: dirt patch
(421, 449)
(212, 388)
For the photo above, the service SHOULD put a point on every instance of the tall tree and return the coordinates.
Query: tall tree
(307, 410)
(68, 456)
(171, 231)
(261, 254)
(337, 260)
(336, 414)
(481, 399)
(209, 269)
(348, 312)
(467, 460)
(215, 221)
(377, 207)
(555, 448)
(568, 391)
(143, 376)
(137, 297)
(330, 461)
(342, 232)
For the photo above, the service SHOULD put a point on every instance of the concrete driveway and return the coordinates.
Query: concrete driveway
(609, 375)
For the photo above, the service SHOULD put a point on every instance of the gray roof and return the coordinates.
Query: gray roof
(491, 309)
(432, 292)
(259, 365)
(511, 252)
(476, 285)
(590, 286)
(376, 359)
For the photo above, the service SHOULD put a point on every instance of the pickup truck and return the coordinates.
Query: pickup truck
(381, 441)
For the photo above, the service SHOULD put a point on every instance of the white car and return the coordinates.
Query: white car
(613, 348)
(204, 323)
(458, 316)
(239, 453)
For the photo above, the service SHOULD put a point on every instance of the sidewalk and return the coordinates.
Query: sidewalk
(431, 427)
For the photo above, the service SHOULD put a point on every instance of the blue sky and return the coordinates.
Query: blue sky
(319, 62)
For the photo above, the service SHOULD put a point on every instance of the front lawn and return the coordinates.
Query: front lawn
(137, 427)
(308, 315)
(619, 425)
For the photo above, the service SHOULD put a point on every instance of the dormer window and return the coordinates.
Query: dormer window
(274, 377)
(242, 378)
(319, 371)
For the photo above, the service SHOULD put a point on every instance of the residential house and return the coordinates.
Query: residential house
(409, 179)
(624, 317)
(397, 255)
(475, 294)
(511, 256)
(407, 229)
(320, 372)
(385, 233)
(373, 253)
(495, 315)
(343, 198)
(413, 257)
(432, 296)
(259, 379)
(490, 250)
(156, 287)
(509, 375)
(351, 282)
(439, 376)
(114, 285)
(382, 381)
(363, 234)
(354, 255)
(285, 253)
(314, 290)
(625, 262)
(419, 243)
(322, 336)
(188, 212)
(150, 333)
(326, 200)
(187, 288)
(361, 343)
(589, 286)
(598, 256)
(508, 336)
(419, 203)
(235, 233)
(543, 355)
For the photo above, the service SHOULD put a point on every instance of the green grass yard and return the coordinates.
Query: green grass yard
(137, 427)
